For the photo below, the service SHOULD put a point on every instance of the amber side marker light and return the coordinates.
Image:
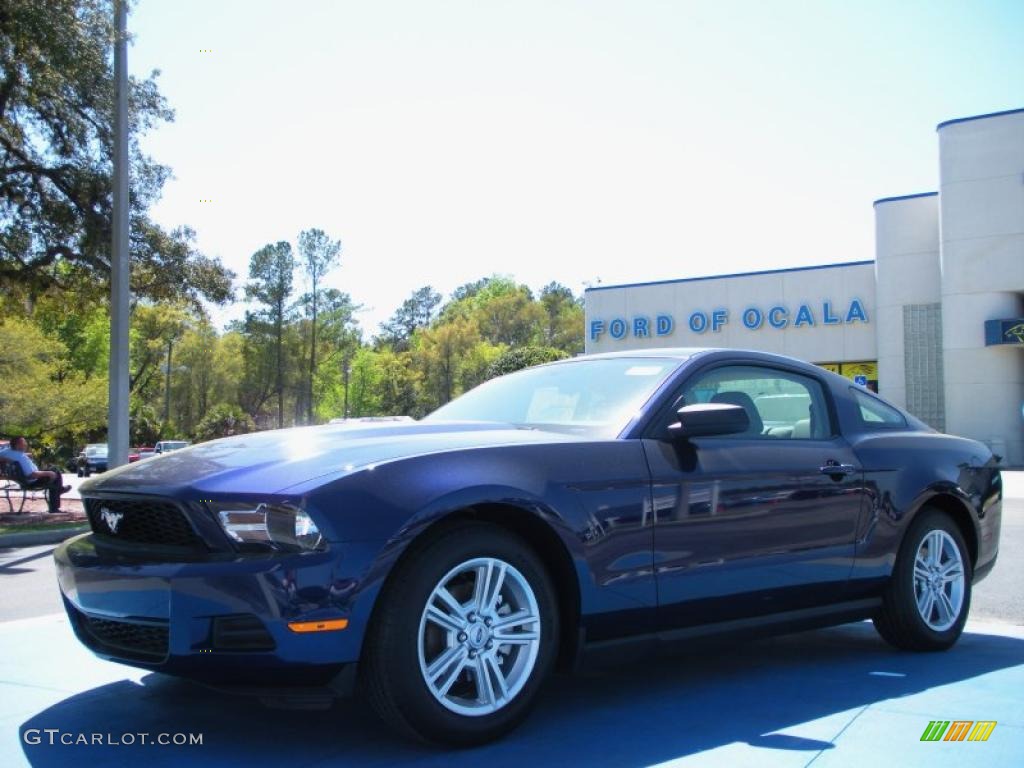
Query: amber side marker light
(318, 626)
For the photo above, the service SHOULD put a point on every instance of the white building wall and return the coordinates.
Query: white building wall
(955, 258)
(839, 285)
(906, 273)
(981, 164)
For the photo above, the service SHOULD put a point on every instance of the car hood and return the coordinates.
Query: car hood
(272, 462)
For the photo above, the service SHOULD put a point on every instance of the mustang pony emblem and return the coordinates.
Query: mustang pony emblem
(112, 519)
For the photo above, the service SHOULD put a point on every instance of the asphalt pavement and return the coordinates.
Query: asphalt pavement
(834, 697)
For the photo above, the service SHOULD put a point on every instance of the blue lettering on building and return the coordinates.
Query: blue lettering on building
(803, 316)
(778, 317)
(753, 317)
(826, 314)
(856, 312)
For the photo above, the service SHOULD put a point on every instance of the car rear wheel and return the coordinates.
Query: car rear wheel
(463, 638)
(928, 597)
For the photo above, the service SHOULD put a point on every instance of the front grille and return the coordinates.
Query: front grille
(145, 642)
(145, 521)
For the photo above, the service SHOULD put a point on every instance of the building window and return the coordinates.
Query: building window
(922, 359)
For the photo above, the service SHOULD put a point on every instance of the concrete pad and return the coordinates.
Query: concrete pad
(833, 697)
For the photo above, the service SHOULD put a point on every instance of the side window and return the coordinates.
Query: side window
(780, 405)
(874, 414)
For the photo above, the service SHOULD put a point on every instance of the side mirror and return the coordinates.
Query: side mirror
(707, 419)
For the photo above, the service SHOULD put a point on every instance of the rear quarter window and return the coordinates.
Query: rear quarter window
(875, 414)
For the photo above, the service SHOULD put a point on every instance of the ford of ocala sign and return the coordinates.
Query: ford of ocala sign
(753, 318)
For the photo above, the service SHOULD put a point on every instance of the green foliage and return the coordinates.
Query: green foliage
(56, 110)
(523, 357)
(439, 353)
(271, 271)
(256, 373)
(416, 312)
(42, 395)
(318, 255)
(143, 424)
(563, 318)
(224, 420)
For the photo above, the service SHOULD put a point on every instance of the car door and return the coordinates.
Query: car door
(758, 522)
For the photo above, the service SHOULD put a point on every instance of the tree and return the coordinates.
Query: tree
(195, 375)
(476, 364)
(56, 143)
(318, 254)
(416, 312)
(469, 290)
(400, 382)
(440, 352)
(223, 421)
(258, 377)
(523, 357)
(36, 399)
(364, 384)
(154, 330)
(144, 425)
(510, 318)
(563, 327)
(270, 282)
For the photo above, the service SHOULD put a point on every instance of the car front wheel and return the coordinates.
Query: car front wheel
(928, 597)
(464, 636)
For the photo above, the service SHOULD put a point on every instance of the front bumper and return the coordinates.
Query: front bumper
(222, 620)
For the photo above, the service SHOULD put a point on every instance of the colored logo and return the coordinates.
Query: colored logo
(958, 730)
(112, 519)
(1015, 333)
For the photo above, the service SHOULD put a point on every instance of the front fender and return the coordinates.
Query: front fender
(591, 496)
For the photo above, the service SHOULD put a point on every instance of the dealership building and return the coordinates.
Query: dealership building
(934, 323)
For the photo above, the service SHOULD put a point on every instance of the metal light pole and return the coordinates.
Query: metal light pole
(117, 426)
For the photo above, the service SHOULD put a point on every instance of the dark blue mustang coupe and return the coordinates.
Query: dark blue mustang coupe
(445, 567)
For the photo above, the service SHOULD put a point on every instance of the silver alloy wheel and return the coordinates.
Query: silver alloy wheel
(939, 580)
(479, 636)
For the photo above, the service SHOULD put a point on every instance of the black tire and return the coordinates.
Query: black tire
(390, 674)
(899, 621)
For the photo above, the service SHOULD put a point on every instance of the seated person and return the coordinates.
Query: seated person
(48, 479)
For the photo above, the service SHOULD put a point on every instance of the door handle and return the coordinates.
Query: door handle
(835, 469)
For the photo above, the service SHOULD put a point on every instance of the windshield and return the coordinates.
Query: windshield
(95, 450)
(592, 397)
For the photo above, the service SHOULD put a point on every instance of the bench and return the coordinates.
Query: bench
(15, 482)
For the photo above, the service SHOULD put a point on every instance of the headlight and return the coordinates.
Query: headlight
(279, 526)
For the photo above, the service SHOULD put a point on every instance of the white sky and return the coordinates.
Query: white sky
(442, 141)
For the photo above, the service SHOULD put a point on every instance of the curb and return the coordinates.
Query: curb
(35, 538)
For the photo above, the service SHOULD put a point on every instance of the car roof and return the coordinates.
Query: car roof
(669, 353)
(682, 354)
